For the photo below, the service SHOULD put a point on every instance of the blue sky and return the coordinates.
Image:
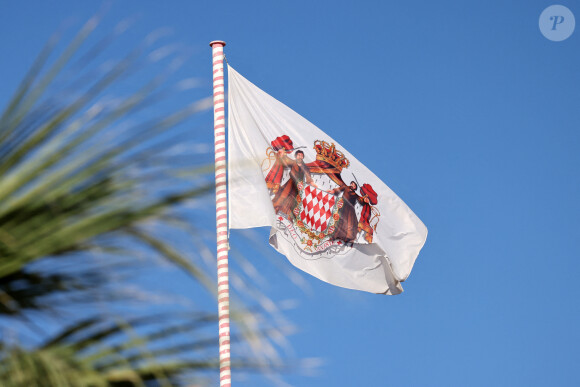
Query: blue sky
(467, 112)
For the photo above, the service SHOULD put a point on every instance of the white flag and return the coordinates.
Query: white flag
(329, 215)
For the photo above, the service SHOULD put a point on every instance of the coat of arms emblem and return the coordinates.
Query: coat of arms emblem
(313, 201)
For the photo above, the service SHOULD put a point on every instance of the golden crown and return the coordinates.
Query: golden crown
(328, 153)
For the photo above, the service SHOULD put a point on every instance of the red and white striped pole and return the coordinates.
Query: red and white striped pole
(219, 122)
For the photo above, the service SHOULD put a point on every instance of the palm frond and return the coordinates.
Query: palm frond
(84, 171)
(105, 351)
(62, 185)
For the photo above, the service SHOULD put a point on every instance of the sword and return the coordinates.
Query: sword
(355, 179)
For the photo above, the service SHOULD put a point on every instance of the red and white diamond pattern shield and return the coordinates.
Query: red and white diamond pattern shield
(317, 208)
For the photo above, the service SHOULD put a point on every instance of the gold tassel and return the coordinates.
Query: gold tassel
(271, 158)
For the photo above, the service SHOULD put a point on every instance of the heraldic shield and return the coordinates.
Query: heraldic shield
(317, 208)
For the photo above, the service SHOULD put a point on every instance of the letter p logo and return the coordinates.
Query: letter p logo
(557, 23)
(557, 20)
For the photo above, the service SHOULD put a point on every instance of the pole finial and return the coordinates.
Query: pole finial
(220, 42)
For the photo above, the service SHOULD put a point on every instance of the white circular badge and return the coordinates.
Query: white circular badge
(557, 23)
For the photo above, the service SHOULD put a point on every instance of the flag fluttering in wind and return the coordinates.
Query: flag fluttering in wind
(329, 215)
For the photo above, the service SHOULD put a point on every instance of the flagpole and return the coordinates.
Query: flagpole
(219, 125)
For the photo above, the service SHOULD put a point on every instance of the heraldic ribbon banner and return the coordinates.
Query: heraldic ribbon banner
(329, 215)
